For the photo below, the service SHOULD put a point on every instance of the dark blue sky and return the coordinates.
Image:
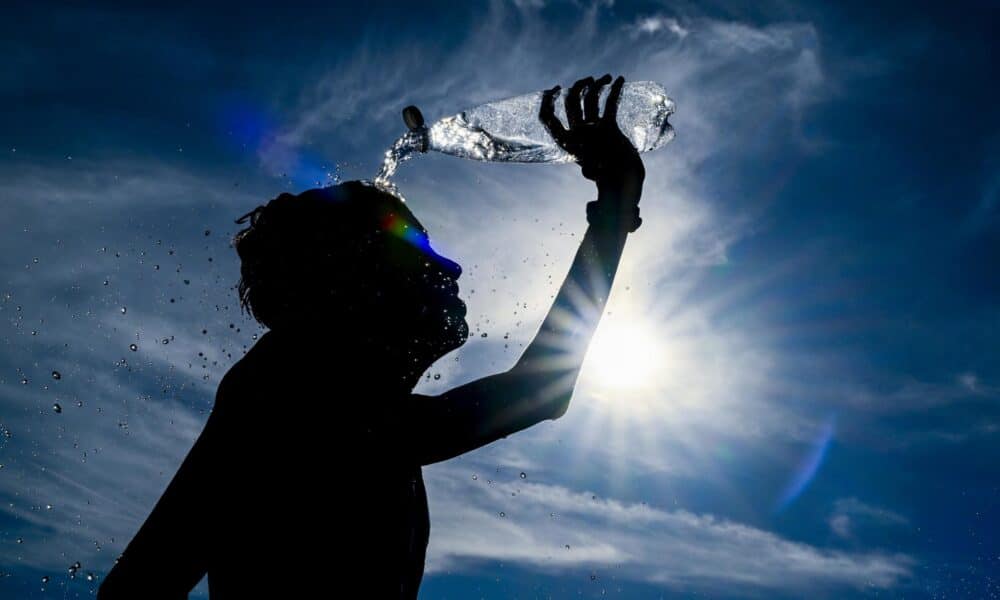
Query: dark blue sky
(816, 274)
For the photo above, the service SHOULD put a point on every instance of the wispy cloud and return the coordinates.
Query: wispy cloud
(849, 513)
(909, 394)
(657, 23)
(552, 528)
(87, 240)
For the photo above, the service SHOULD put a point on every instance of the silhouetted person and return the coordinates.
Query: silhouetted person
(306, 480)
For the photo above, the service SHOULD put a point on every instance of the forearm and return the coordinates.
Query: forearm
(540, 385)
(558, 350)
(577, 308)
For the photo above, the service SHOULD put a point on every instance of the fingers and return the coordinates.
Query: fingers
(611, 104)
(547, 115)
(574, 112)
(591, 111)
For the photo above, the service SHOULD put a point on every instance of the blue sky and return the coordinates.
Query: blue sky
(814, 282)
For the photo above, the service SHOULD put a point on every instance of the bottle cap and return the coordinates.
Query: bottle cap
(412, 117)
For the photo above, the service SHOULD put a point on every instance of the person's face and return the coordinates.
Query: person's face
(426, 285)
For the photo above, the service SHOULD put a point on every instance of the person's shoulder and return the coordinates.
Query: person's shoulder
(246, 373)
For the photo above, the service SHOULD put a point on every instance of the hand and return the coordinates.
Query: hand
(603, 152)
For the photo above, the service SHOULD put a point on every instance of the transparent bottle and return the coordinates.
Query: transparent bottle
(510, 130)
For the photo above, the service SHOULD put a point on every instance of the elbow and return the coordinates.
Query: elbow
(560, 406)
(552, 396)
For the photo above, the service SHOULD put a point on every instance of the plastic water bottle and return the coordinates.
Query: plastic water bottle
(510, 131)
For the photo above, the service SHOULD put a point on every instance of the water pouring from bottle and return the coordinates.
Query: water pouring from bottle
(510, 131)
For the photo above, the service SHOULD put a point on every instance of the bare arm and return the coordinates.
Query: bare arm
(541, 383)
(168, 556)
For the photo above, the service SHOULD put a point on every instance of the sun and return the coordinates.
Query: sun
(624, 355)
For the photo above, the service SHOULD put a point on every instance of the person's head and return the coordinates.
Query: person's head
(354, 257)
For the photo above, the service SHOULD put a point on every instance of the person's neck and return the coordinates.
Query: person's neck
(362, 350)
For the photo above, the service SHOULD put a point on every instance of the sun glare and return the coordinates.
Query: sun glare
(623, 354)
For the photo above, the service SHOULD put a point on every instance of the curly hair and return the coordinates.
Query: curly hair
(301, 252)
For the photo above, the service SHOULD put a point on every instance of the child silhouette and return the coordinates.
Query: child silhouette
(307, 474)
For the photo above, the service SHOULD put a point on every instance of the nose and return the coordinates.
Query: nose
(447, 266)
(452, 268)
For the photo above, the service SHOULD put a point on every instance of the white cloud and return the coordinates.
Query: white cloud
(656, 23)
(674, 548)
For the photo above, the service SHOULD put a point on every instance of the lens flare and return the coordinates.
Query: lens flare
(250, 131)
(809, 466)
(398, 227)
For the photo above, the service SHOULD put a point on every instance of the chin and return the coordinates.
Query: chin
(454, 326)
(462, 333)
(456, 333)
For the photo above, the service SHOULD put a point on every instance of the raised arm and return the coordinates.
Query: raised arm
(541, 383)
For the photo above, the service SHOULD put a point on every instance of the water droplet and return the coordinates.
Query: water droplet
(475, 477)
(503, 514)
(524, 475)
(57, 408)
(133, 347)
(45, 578)
(166, 341)
(593, 577)
(24, 381)
(56, 375)
(567, 546)
(20, 540)
(90, 576)
(437, 376)
(124, 310)
(484, 334)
